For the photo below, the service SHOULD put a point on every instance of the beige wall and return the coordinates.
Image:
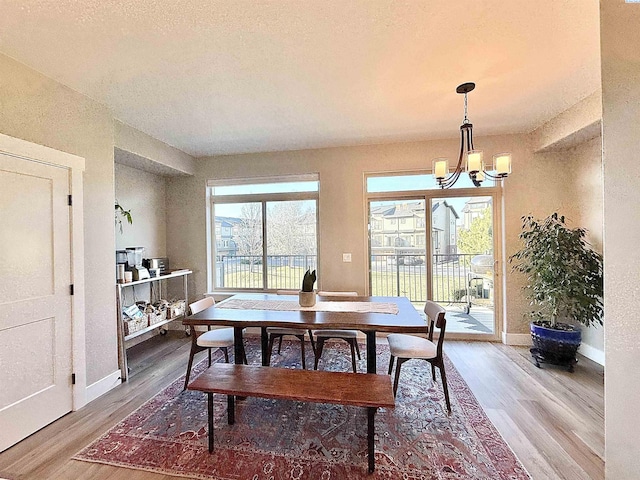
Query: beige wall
(586, 200)
(579, 197)
(620, 50)
(342, 207)
(144, 194)
(578, 124)
(139, 150)
(39, 110)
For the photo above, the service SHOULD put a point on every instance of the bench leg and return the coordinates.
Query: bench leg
(371, 430)
(231, 410)
(210, 419)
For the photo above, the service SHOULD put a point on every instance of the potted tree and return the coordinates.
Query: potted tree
(564, 285)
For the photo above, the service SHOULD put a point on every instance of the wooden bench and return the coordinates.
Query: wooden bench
(357, 389)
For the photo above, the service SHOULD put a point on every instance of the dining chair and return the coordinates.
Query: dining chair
(278, 333)
(221, 338)
(407, 347)
(349, 336)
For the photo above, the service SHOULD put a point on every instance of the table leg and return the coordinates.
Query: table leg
(371, 352)
(210, 419)
(231, 410)
(371, 430)
(264, 345)
(237, 345)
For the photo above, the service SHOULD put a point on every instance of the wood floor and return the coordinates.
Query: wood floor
(553, 420)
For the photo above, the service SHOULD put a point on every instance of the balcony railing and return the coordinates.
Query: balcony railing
(247, 272)
(400, 274)
(453, 280)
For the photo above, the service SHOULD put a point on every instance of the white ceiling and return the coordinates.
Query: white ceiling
(220, 77)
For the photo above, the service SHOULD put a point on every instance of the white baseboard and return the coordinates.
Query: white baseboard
(523, 339)
(592, 353)
(103, 385)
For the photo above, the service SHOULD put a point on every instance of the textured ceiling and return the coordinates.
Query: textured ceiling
(220, 77)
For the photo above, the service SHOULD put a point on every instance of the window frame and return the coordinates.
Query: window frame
(263, 199)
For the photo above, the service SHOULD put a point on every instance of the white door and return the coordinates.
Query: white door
(35, 300)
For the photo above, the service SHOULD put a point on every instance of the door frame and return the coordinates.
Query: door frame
(75, 165)
(498, 233)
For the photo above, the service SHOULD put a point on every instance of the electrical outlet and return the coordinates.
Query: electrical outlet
(346, 257)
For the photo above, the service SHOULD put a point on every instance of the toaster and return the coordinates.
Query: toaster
(159, 264)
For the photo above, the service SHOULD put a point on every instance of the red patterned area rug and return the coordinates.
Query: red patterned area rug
(279, 439)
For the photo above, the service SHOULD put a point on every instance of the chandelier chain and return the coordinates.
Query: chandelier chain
(465, 120)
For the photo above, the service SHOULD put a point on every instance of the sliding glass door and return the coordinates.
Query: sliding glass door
(437, 247)
(462, 261)
(397, 242)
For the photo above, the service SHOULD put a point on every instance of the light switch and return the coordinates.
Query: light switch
(346, 257)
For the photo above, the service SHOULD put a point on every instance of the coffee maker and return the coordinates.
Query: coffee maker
(134, 262)
(121, 265)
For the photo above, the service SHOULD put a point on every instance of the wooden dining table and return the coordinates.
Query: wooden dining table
(366, 314)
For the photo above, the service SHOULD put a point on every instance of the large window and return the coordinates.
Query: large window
(265, 232)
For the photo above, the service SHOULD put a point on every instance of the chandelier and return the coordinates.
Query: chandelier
(474, 163)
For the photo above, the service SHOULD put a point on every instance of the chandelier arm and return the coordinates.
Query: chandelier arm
(452, 180)
(493, 177)
(459, 165)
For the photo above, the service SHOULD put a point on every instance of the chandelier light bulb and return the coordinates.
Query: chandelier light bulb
(440, 168)
(502, 164)
(474, 161)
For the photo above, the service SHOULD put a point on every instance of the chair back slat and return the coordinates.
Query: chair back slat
(435, 319)
(200, 305)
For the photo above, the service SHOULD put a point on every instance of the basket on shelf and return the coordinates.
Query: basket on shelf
(155, 314)
(132, 325)
(176, 309)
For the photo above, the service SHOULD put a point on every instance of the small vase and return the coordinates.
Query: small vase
(307, 299)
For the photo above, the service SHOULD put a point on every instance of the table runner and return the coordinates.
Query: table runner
(356, 307)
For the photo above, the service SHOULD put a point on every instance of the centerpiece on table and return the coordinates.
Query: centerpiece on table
(306, 296)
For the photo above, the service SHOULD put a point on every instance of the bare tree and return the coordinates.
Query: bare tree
(291, 228)
(249, 236)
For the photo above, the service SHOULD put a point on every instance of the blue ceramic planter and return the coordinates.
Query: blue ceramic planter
(558, 347)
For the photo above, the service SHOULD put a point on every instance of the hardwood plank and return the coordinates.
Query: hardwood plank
(558, 414)
(553, 420)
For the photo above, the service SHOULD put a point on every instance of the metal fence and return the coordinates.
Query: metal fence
(453, 281)
(400, 274)
(248, 272)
